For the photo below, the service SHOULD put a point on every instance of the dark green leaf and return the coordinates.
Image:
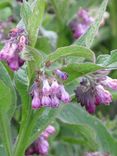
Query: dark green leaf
(73, 114)
(79, 70)
(73, 50)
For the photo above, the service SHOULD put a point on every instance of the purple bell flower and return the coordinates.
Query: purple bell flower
(46, 101)
(36, 103)
(64, 95)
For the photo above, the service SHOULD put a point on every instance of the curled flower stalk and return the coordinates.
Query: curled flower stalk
(93, 92)
(48, 92)
(41, 145)
(13, 48)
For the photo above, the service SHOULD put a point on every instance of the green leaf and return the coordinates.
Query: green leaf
(35, 63)
(5, 78)
(79, 134)
(5, 3)
(88, 38)
(109, 61)
(73, 50)
(5, 103)
(25, 12)
(79, 70)
(73, 114)
(35, 20)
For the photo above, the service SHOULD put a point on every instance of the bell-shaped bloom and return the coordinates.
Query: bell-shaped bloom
(36, 102)
(42, 146)
(46, 87)
(62, 75)
(46, 101)
(50, 130)
(103, 95)
(55, 102)
(64, 95)
(55, 87)
(109, 83)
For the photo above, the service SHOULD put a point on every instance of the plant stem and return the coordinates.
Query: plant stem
(5, 134)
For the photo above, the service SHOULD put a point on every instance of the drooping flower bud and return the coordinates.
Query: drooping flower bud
(46, 87)
(46, 101)
(64, 95)
(36, 103)
(55, 102)
(55, 87)
(62, 75)
(50, 130)
(103, 95)
(109, 83)
(13, 47)
(42, 146)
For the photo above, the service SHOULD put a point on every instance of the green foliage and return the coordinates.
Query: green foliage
(78, 130)
(73, 114)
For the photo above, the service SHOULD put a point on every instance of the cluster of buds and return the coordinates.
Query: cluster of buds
(41, 145)
(5, 26)
(96, 154)
(92, 93)
(13, 47)
(48, 92)
(80, 24)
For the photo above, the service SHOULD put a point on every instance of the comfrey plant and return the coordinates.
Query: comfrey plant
(37, 84)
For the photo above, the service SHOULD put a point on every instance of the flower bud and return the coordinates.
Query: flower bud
(50, 130)
(103, 95)
(36, 103)
(109, 83)
(64, 95)
(54, 102)
(42, 146)
(55, 87)
(46, 87)
(61, 74)
(46, 101)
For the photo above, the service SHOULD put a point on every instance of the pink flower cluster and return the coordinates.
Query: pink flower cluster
(48, 92)
(91, 94)
(13, 47)
(81, 23)
(41, 145)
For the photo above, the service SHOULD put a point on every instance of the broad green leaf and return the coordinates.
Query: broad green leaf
(35, 20)
(26, 12)
(79, 134)
(73, 50)
(72, 114)
(109, 61)
(5, 3)
(88, 38)
(79, 70)
(32, 16)
(5, 103)
(5, 78)
(35, 62)
(5, 132)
